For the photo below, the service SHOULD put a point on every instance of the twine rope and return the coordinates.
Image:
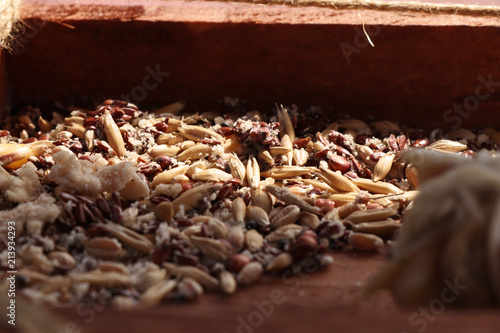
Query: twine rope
(400, 6)
(8, 20)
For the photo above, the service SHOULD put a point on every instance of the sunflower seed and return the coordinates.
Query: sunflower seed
(286, 125)
(212, 248)
(283, 215)
(253, 172)
(238, 208)
(376, 187)
(412, 176)
(284, 194)
(153, 296)
(102, 279)
(44, 125)
(253, 240)
(365, 242)
(198, 133)
(300, 157)
(149, 278)
(104, 247)
(164, 150)
(190, 289)
(196, 152)
(194, 197)
(238, 170)
(113, 134)
(200, 276)
(280, 262)
(370, 215)
(309, 220)
(284, 172)
(169, 139)
(262, 199)
(250, 274)
(383, 166)
(265, 156)
(166, 176)
(227, 282)
(284, 233)
(211, 175)
(385, 228)
(129, 237)
(89, 140)
(218, 228)
(447, 146)
(237, 237)
(164, 212)
(258, 215)
(335, 180)
(13, 156)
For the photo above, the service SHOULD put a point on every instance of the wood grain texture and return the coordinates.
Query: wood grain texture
(329, 300)
(421, 65)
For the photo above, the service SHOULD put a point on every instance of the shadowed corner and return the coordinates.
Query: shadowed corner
(3, 86)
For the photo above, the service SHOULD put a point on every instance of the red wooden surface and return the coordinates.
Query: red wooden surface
(421, 65)
(329, 300)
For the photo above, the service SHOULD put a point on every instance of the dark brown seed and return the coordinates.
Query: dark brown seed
(361, 139)
(79, 213)
(115, 199)
(90, 121)
(247, 197)
(4, 133)
(161, 254)
(421, 142)
(226, 131)
(159, 199)
(103, 206)
(149, 169)
(321, 154)
(205, 231)
(97, 213)
(164, 161)
(69, 213)
(351, 175)
(184, 223)
(116, 213)
(90, 215)
(95, 231)
(29, 140)
(327, 229)
(301, 143)
(161, 126)
(401, 141)
(339, 163)
(186, 259)
(226, 191)
(393, 143)
(376, 156)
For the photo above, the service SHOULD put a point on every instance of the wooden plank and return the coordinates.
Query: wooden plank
(424, 70)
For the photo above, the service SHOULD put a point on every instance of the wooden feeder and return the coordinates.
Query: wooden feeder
(427, 70)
